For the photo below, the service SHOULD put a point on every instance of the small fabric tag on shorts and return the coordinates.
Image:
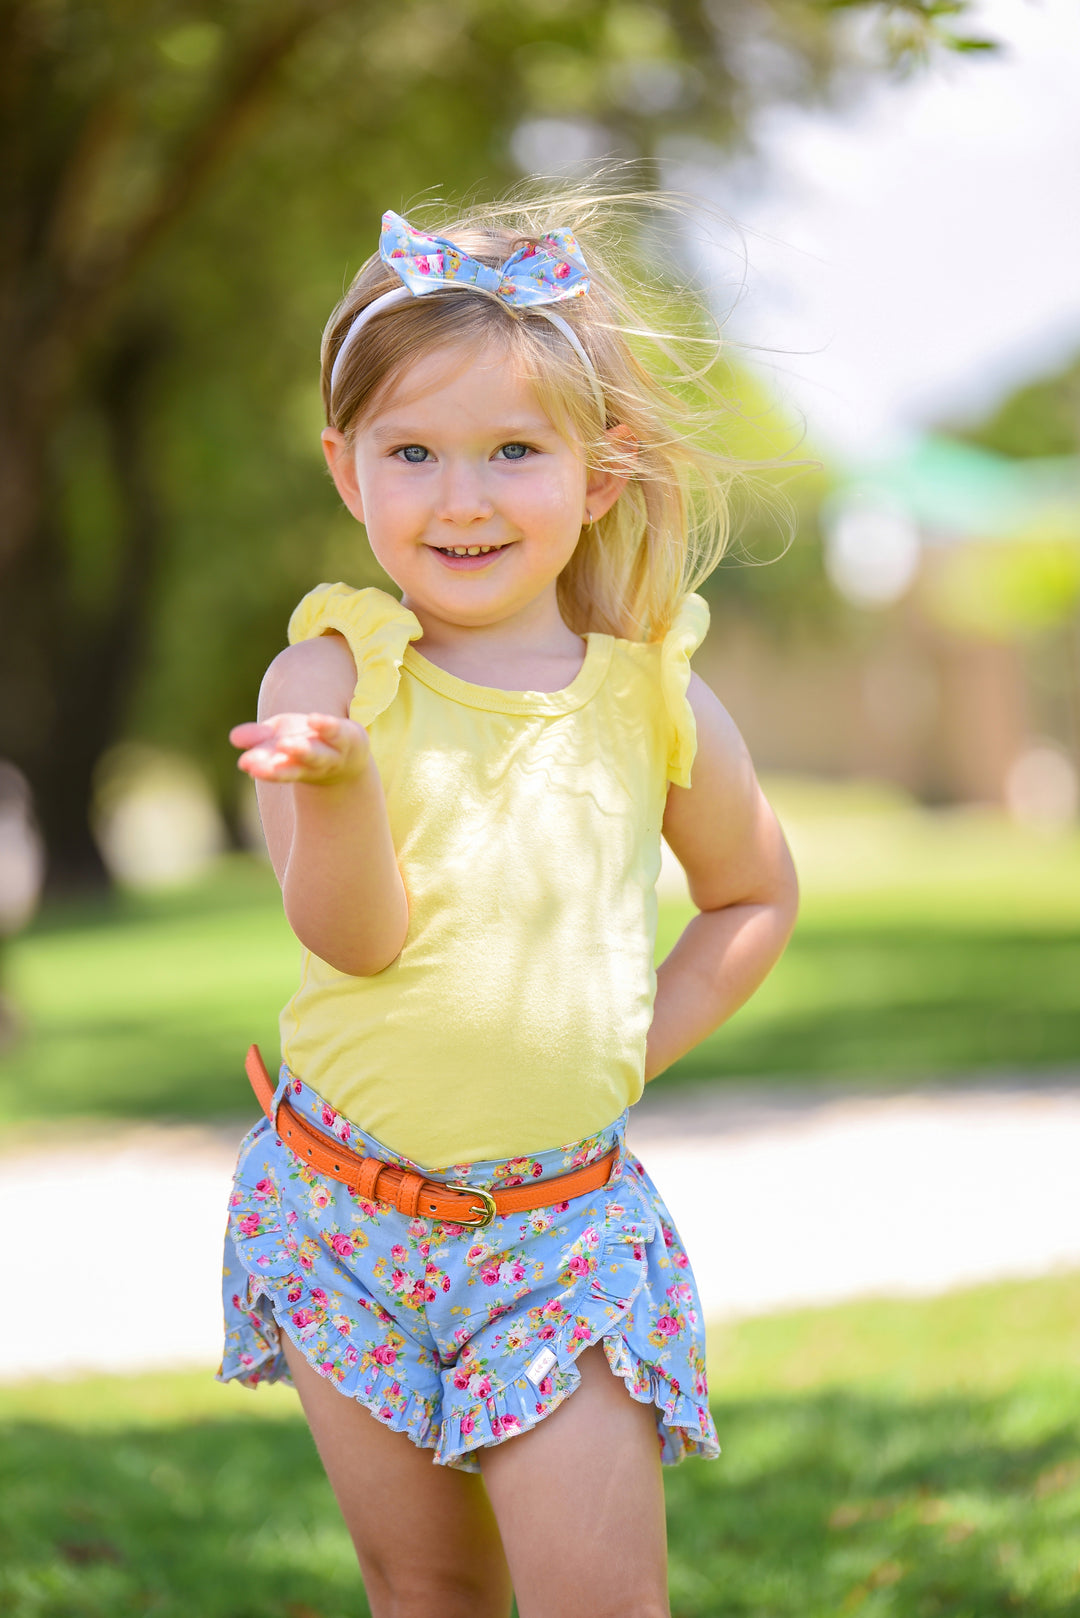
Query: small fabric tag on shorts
(538, 1368)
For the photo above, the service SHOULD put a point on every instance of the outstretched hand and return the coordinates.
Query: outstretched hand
(315, 748)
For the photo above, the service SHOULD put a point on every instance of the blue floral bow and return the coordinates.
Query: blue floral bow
(532, 275)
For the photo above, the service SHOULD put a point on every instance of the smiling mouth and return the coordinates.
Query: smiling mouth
(467, 550)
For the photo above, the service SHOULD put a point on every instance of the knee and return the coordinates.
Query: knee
(419, 1594)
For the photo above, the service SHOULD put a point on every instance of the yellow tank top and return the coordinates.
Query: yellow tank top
(527, 828)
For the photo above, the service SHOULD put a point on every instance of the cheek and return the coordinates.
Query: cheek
(557, 501)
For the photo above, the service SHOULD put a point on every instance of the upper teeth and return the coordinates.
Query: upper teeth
(468, 550)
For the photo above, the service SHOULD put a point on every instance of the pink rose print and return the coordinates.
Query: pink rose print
(342, 1245)
(384, 1354)
(264, 1189)
(547, 1331)
(562, 271)
(303, 1317)
(351, 1356)
(667, 1326)
(546, 1387)
(461, 1378)
(489, 1274)
(468, 1423)
(249, 1225)
(580, 1334)
(320, 1297)
(298, 1088)
(579, 1264)
(398, 1253)
(423, 264)
(328, 1116)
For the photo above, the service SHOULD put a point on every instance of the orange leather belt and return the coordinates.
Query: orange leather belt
(411, 1193)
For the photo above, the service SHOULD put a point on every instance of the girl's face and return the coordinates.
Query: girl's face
(472, 502)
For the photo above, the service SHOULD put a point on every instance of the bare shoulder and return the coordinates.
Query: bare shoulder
(314, 676)
(721, 827)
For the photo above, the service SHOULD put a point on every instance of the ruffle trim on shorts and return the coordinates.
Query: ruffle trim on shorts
(599, 1315)
(272, 1306)
(599, 1307)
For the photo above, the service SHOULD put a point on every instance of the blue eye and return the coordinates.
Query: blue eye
(514, 452)
(415, 454)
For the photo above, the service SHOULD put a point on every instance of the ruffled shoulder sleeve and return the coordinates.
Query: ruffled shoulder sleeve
(377, 628)
(686, 634)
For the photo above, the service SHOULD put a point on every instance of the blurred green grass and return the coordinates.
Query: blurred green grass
(930, 945)
(914, 1459)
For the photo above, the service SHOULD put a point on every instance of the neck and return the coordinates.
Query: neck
(532, 649)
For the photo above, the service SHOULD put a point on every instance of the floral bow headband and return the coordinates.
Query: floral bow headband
(531, 278)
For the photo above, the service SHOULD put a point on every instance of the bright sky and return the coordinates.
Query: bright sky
(916, 257)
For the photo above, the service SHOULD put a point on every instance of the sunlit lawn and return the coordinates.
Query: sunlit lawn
(909, 1459)
(929, 945)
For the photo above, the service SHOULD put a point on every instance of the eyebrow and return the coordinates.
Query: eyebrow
(507, 432)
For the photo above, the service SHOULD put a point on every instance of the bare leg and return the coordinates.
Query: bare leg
(580, 1505)
(425, 1535)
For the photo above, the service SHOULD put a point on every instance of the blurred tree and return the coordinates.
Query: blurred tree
(182, 186)
(1040, 419)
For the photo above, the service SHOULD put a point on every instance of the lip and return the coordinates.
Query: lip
(468, 564)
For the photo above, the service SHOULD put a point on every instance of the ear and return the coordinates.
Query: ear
(605, 484)
(342, 463)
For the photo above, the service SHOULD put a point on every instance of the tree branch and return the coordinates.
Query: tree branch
(89, 288)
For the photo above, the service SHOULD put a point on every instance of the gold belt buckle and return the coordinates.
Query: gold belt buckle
(490, 1211)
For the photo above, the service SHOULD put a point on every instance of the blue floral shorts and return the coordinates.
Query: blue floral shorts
(461, 1337)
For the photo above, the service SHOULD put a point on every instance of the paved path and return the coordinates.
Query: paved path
(783, 1199)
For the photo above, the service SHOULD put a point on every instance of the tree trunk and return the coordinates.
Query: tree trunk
(70, 669)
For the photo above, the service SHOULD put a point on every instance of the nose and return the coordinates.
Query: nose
(463, 495)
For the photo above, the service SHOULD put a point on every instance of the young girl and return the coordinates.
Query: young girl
(437, 1233)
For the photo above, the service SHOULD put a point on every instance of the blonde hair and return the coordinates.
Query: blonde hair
(669, 527)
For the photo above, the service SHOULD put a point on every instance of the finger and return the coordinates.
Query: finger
(270, 766)
(249, 733)
(327, 726)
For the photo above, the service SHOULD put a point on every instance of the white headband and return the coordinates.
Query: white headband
(385, 300)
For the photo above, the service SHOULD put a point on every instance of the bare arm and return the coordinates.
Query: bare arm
(741, 878)
(323, 811)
